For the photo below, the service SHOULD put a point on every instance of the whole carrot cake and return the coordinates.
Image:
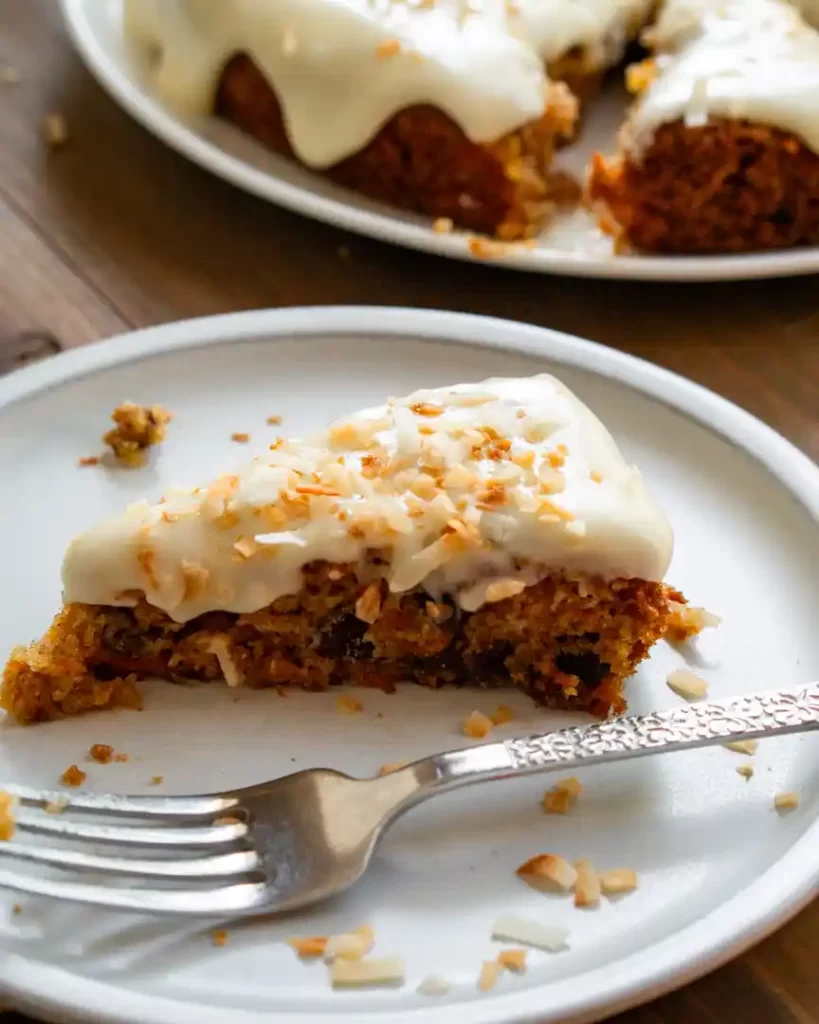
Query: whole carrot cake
(485, 533)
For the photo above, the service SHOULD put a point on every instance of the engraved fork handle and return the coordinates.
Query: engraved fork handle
(757, 716)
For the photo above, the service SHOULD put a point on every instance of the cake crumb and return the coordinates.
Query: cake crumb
(686, 685)
(502, 714)
(745, 770)
(240, 437)
(388, 48)
(16, 909)
(7, 806)
(548, 868)
(309, 946)
(618, 880)
(219, 936)
(513, 959)
(587, 888)
(101, 753)
(120, 758)
(89, 460)
(562, 796)
(348, 705)
(477, 726)
(136, 429)
(490, 972)
(55, 130)
(157, 780)
(747, 747)
(786, 801)
(442, 225)
(73, 776)
(274, 421)
(686, 622)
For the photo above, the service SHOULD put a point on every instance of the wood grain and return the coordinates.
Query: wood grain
(114, 230)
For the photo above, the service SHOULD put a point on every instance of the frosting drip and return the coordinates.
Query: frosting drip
(474, 491)
(342, 68)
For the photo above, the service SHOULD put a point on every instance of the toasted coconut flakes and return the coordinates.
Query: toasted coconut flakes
(502, 714)
(687, 622)
(220, 646)
(477, 726)
(318, 490)
(246, 547)
(587, 888)
(597, 477)
(618, 880)
(56, 806)
(747, 747)
(274, 421)
(312, 945)
(501, 589)
(510, 928)
(219, 936)
(556, 801)
(513, 959)
(442, 225)
(392, 766)
(384, 971)
(368, 605)
(73, 776)
(548, 868)
(349, 945)
(685, 684)
(491, 970)
(195, 579)
(101, 753)
(348, 705)
(745, 770)
(89, 460)
(55, 130)
(786, 801)
(434, 985)
(240, 437)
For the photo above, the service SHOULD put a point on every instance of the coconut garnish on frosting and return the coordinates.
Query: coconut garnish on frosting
(489, 532)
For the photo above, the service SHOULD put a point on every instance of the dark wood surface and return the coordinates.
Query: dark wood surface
(115, 231)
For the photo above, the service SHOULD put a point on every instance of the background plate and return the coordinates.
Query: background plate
(718, 867)
(574, 246)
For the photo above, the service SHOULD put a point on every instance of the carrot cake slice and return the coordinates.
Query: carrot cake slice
(486, 533)
(451, 108)
(721, 151)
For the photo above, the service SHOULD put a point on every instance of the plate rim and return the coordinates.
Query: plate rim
(725, 932)
(390, 227)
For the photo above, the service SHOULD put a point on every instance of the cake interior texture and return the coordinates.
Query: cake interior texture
(567, 641)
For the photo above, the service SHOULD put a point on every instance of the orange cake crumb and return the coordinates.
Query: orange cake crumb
(502, 714)
(7, 806)
(348, 705)
(548, 869)
(240, 437)
(101, 753)
(219, 936)
(136, 429)
(477, 726)
(73, 776)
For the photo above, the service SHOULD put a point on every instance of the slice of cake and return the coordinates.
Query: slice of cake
(721, 151)
(485, 533)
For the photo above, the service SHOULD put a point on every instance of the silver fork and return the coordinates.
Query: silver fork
(301, 838)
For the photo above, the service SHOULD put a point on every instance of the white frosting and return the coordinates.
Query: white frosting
(342, 68)
(475, 491)
(754, 60)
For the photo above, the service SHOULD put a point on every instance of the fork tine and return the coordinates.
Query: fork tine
(139, 835)
(222, 901)
(145, 806)
(219, 866)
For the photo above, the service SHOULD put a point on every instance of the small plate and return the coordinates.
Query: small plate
(718, 867)
(573, 246)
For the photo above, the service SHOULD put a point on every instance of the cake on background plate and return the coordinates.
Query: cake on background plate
(486, 533)
(456, 108)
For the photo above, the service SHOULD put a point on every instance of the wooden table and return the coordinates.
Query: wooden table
(114, 231)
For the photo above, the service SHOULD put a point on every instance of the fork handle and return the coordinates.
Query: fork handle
(757, 716)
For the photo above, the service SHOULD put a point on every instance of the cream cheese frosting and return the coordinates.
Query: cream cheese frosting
(754, 60)
(475, 491)
(342, 68)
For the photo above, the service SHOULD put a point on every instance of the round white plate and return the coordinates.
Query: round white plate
(573, 246)
(718, 867)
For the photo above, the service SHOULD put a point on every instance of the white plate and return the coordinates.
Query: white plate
(574, 246)
(718, 867)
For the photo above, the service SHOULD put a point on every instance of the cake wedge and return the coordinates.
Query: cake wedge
(487, 533)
